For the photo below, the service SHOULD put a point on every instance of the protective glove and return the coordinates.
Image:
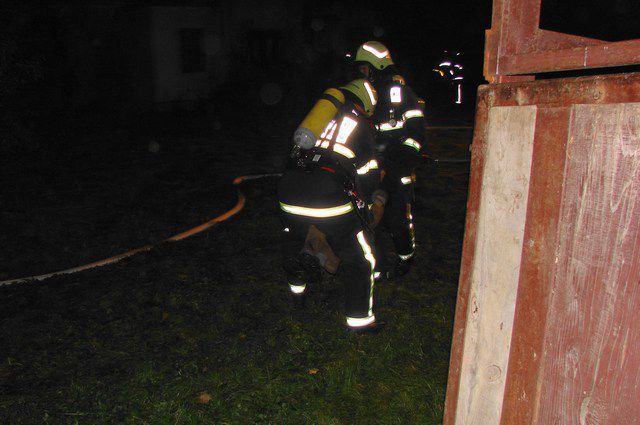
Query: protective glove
(380, 198)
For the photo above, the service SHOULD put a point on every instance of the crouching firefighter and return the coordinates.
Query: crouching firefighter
(329, 185)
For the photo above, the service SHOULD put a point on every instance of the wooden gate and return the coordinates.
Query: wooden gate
(547, 326)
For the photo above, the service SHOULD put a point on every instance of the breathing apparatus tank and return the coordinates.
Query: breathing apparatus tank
(317, 119)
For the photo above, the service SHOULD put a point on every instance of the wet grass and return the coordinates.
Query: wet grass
(201, 331)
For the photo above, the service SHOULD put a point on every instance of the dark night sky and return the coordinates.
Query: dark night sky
(47, 44)
(416, 32)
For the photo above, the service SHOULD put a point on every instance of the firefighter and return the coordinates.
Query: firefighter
(329, 185)
(399, 120)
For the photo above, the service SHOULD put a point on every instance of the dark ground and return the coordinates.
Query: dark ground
(200, 331)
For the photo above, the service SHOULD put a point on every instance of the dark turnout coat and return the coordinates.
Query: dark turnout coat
(330, 187)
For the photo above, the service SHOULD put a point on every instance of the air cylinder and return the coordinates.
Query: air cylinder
(317, 119)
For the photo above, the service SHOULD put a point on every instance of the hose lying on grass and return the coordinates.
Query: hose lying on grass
(233, 211)
(114, 259)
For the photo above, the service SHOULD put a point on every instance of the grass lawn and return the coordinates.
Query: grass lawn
(200, 331)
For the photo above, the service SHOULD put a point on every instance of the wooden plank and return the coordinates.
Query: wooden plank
(598, 56)
(516, 48)
(558, 169)
(601, 89)
(513, 26)
(478, 149)
(496, 266)
(591, 358)
(538, 254)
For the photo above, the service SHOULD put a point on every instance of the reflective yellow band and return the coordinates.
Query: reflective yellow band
(329, 128)
(338, 148)
(405, 257)
(346, 128)
(356, 322)
(343, 150)
(297, 289)
(412, 143)
(413, 113)
(385, 126)
(375, 52)
(368, 255)
(406, 180)
(372, 97)
(317, 212)
(396, 94)
(371, 165)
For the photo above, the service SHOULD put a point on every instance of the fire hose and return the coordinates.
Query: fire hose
(183, 235)
(116, 258)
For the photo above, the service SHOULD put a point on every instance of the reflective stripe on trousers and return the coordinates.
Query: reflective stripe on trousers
(356, 322)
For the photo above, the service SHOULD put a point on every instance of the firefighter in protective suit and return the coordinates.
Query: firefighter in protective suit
(399, 120)
(329, 185)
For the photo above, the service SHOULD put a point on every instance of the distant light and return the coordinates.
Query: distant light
(457, 66)
(348, 55)
(458, 78)
(445, 63)
(458, 54)
(459, 101)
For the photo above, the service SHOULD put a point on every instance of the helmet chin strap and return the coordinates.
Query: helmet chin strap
(375, 76)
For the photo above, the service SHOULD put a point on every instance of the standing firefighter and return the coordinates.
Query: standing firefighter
(399, 119)
(329, 186)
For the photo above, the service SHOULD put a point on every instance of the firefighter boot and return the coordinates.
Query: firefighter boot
(372, 329)
(298, 301)
(400, 268)
(301, 270)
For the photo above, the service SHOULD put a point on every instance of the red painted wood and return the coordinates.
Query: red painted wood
(599, 56)
(516, 48)
(538, 255)
(468, 251)
(592, 338)
(575, 346)
(575, 349)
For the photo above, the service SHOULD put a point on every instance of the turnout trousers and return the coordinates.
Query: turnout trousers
(398, 220)
(349, 241)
